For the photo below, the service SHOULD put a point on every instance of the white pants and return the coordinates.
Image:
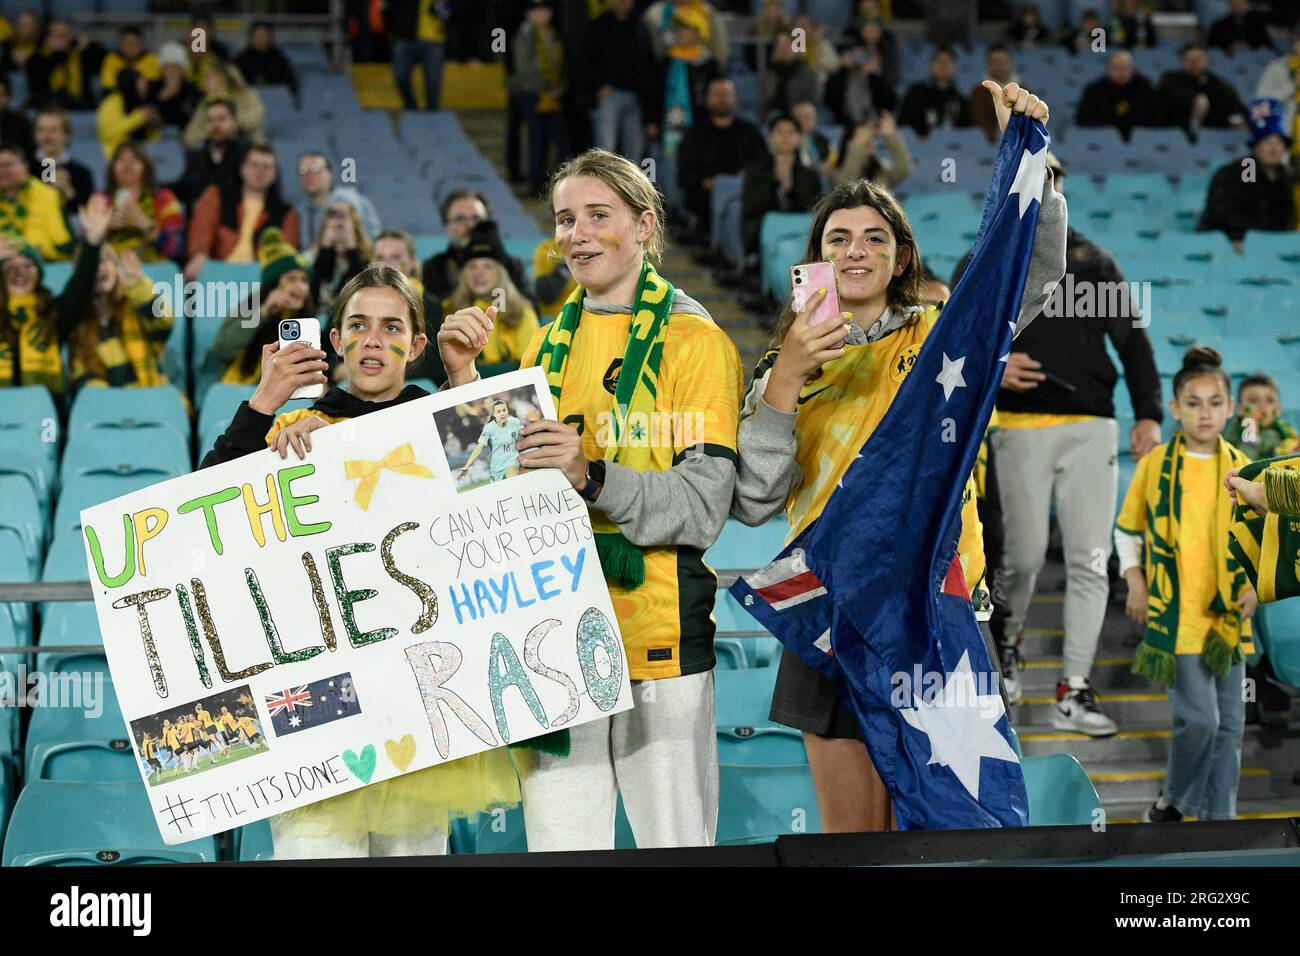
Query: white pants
(291, 846)
(662, 755)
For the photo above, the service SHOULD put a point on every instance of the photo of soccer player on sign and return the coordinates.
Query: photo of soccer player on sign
(198, 736)
(479, 437)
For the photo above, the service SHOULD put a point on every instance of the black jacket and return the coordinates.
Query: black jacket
(40, 69)
(247, 431)
(16, 130)
(619, 53)
(926, 107)
(1074, 349)
(1251, 30)
(1234, 206)
(1134, 104)
(760, 194)
(707, 151)
(176, 110)
(201, 171)
(269, 67)
(1178, 90)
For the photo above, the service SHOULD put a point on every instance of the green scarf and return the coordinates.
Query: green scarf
(1155, 656)
(634, 396)
(1269, 547)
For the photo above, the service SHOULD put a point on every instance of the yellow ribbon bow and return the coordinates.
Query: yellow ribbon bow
(401, 460)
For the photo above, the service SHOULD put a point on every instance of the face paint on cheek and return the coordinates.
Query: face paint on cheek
(397, 350)
(609, 239)
(350, 346)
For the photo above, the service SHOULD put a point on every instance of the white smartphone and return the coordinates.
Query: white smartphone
(302, 330)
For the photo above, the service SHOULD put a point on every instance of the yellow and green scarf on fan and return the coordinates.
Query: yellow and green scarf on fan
(638, 385)
(1268, 546)
(1155, 656)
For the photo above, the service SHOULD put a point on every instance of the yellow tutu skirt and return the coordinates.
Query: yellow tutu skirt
(414, 803)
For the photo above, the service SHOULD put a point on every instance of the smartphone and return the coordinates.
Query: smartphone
(806, 279)
(122, 196)
(302, 330)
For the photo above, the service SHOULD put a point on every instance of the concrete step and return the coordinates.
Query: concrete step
(1266, 808)
(1134, 782)
(1108, 673)
(1132, 745)
(1126, 708)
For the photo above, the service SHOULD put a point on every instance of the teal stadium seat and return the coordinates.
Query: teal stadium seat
(21, 511)
(96, 487)
(730, 616)
(741, 547)
(127, 408)
(254, 842)
(1281, 624)
(63, 743)
(125, 449)
(66, 823)
(66, 624)
(744, 697)
(1060, 793)
(758, 804)
(501, 831)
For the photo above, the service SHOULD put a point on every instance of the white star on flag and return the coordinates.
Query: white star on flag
(950, 378)
(295, 721)
(960, 725)
(1029, 178)
(1013, 335)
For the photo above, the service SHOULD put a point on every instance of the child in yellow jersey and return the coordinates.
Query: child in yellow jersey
(1191, 596)
(817, 397)
(658, 498)
(484, 281)
(408, 815)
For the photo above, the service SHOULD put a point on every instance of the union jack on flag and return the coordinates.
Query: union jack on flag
(310, 705)
(287, 700)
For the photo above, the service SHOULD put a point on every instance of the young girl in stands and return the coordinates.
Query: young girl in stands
(1258, 428)
(1190, 594)
(286, 294)
(121, 337)
(378, 327)
(817, 396)
(34, 323)
(627, 338)
(484, 282)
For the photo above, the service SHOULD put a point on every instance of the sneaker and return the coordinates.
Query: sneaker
(1169, 814)
(1012, 664)
(1076, 709)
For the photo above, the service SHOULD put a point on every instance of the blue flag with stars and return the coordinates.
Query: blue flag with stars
(872, 594)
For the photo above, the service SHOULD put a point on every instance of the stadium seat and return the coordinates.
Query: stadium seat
(1281, 621)
(761, 746)
(762, 803)
(16, 568)
(96, 487)
(125, 408)
(64, 743)
(1060, 793)
(254, 842)
(125, 450)
(501, 831)
(64, 823)
(744, 697)
(67, 624)
(741, 547)
(730, 616)
(730, 653)
(776, 267)
(21, 510)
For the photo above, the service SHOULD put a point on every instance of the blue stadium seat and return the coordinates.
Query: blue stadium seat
(57, 274)
(725, 207)
(501, 831)
(730, 653)
(741, 547)
(744, 697)
(254, 842)
(731, 617)
(1281, 621)
(15, 568)
(25, 463)
(761, 746)
(67, 624)
(1060, 793)
(126, 408)
(21, 511)
(93, 488)
(64, 823)
(1272, 244)
(776, 266)
(91, 450)
(29, 422)
(27, 405)
(762, 803)
(64, 743)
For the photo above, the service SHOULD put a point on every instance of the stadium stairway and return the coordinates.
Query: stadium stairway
(1128, 768)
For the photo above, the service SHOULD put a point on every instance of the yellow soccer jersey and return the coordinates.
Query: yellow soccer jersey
(697, 406)
(226, 721)
(1012, 420)
(248, 726)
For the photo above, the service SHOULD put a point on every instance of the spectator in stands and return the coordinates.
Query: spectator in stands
(1123, 98)
(935, 103)
(342, 250)
(862, 87)
(818, 52)
(661, 19)
(147, 218)
(485, 283)
(1171, 537)
(815, 149)
(858, 158)
(1258, 190)
(53, 134)
(61, 72)
(999, 69)
(717, 144)
(121, 337)
(263, 63)
(22, 43)
(770, 23)
(1088, 36)
(34, 324)
(222, 81)
(15, 127)
(284, 288)
(685, 73)
(621, 70)
(462, 210)
(1241, 29)
(1057, 433)
(127, 114)
(1258, 428)
(130, 54)
(396, 248)
(172, 94)
(217, 160)
(1193, 97)
(1281, 81)
(419, 32)
(540, 79)
(1130, 25)
(787, 80)
(316, 179)
(1027, 30)
(777, 181)
(32, 209)
(228, 219)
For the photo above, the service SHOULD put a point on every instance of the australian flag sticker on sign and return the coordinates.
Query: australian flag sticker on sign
(310, 705)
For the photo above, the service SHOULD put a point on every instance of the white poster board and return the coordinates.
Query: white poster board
(369, 611)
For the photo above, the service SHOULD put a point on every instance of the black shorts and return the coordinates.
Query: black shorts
(807, 701)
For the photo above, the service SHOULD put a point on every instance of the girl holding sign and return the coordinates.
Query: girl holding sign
(377, 325)
(627, 352)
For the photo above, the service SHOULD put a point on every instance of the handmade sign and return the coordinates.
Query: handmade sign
(281, 631)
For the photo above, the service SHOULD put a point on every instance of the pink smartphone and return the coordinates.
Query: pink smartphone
(806, 279)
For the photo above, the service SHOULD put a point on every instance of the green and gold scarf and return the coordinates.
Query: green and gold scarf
(29, 348)
(1268, 547)
(635, 395)
(1155, 656)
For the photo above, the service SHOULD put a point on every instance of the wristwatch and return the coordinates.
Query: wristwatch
(595, 481)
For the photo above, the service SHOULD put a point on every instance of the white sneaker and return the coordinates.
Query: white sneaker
(1012, 664)
(1076, 709)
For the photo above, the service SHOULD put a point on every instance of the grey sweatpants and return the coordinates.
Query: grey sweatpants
(1074, 468)
(662, 755)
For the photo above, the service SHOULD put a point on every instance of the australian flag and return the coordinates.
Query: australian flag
(872, 594)
(310, 705)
